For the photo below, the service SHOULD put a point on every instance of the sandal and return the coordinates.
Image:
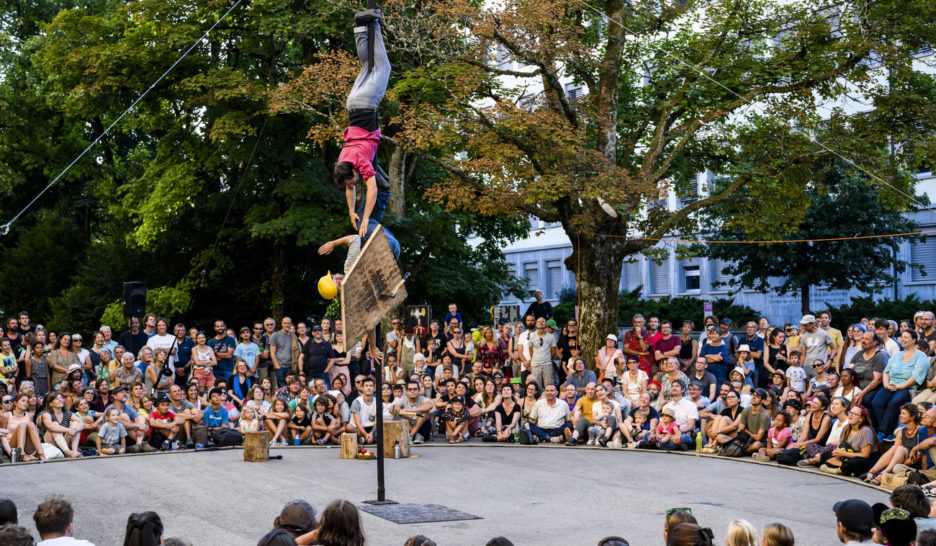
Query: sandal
(874, 481)
(868, 477)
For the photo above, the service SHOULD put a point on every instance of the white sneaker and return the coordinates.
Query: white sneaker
(616, 444)
(557, 439)
(418, 439)
(590, 442)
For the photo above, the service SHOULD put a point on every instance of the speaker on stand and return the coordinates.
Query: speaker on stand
(134, 299)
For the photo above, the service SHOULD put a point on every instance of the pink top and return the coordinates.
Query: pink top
(360, 148)
(779, 438)
(671, 429)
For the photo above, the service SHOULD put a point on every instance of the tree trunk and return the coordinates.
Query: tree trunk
(597, 266)
(396, 170)
(804, 298)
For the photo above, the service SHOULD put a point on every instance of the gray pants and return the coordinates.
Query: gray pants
(544, 374)
(370, 86)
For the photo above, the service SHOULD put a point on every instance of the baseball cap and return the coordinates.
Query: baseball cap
(898, 526)
(854, 514)
(807, 319)
(726, 321)
(162, 399)
(118, 388)
(552, 324)
(317, 327)
(759, 392)
(296, 518)
(612, 337)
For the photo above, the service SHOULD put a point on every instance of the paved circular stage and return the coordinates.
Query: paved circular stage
(539, 495)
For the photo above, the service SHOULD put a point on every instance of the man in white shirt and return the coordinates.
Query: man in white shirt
(523, 343)
(542, 349)
(686, 414)
(162, 339)
(549, 418)
(53, 519)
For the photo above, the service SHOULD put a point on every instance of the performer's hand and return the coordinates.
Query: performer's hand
(326, 248)
(355, 219)
(362, 232)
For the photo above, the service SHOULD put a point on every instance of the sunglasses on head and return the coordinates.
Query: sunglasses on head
(7, 400)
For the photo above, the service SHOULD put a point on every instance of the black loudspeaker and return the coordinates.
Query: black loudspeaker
(134, 299)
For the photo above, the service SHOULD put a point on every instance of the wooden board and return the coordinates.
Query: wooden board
(349, 447)
(393, 432)
(256, 446)
(367, 287)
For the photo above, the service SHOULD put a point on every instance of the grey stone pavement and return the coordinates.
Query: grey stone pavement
(532, 495)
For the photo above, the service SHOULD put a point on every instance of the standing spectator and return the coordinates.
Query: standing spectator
(439, 341)
(318, 356)
(568, 340)
(665, 344)
(109, 342)
(637, 344)
(855, 520)
(248, 351)
(61, 358)
(704, 377)
(149, 325)
(539, 308)
(161, 338)
(815, 343)
(607, 356)
(53, 519)
(24, 326)
(730, 340)
(688, 347)
(542, 349)
(715, 352)
(283, 348)
(223, 346)
(133, 339)
(756, 351)
(262, 336)
(490, 352)
(182, 355)
(825, 322)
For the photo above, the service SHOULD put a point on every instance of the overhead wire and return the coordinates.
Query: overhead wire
(5, 228)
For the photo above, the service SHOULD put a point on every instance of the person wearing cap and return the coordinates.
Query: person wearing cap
(607, 356)
(135, 424)
(729, 339)
(753, 422)
(539, 308)
(296, 518)
(317, 356)
(855, 522)
(164, 426)
(815, 343)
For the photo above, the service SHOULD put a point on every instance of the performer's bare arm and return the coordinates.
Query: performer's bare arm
(330, 245)
(370, 198)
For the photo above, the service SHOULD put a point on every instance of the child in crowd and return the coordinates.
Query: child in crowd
(640, 428)
(667, 430)
(325, 425)
(777, 379)
(455, 418)
(248, 420)
(600, 432)
(276, 421)
(112, 439)
(778, 438)
(796, 375)
(300, 426)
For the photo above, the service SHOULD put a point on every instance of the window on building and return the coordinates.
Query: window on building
(573, 91)
(692, 278)
(531, 273)
(554, 278)
(924, 254)
(722, 281)
(659, 277)
(632, 277)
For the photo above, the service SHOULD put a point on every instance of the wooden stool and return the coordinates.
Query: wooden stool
(256, 446)
(349, 447)
(393, 432)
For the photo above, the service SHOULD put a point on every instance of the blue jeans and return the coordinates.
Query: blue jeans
(281, 375)
(684, 440)
(545, 434)
(886, 405)
(380, 206)
(369, 87)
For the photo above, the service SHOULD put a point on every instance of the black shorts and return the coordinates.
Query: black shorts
(364, 119)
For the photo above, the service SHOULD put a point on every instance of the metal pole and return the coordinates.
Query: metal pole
(378, 435)
(371, 4)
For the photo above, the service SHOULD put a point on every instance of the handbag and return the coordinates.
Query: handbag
(737, 446)
(526, 436)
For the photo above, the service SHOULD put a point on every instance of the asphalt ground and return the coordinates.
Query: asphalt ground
(539, 495)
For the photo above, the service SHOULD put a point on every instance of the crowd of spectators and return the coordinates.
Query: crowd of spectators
(858, 403)
(856, 522)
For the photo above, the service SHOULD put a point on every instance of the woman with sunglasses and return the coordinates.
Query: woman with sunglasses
(859, 449)
(20, 434)
(456, 349)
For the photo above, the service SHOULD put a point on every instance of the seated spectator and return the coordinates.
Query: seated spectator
(581, 376)
(741, 533)
(364, 412)
(663, 437)
(855, 521)
(277, 537)
(455, 418)
(908, 436)
(675, 516)
(20, 430)
(814, 453)
(752, 424)
(912, 498)
(669, 374)
(861, 451)
(582, 417)
(164, 427)
(905, 370)
(8, 513)
(112, 439)
(326, 421)
(777, 534)
(300, 426)
(276, 421)
(506, 416)
(416, 410)
(690, 534)
(296, 518)
(685, 413)
(419, 540)
(725, 422)
(897, 527)
(53, 519)
(249, 421)
(778, 438)
(12, 534)
(549, 419)
(340, 526)
(635, 382)
(143, 529)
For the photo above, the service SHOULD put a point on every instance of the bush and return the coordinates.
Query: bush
(866, 307)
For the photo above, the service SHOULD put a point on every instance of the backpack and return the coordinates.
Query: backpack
(737, 446)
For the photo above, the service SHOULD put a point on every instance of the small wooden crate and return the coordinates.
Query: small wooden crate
(256, 447)
(349, 447)
(393, 432)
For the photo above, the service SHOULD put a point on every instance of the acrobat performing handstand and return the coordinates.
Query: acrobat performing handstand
(358, 158)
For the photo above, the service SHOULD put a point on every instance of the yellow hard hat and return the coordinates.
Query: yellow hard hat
(327, 287)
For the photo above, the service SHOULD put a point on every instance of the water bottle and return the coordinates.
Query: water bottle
(698, 442)
(396, 450)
